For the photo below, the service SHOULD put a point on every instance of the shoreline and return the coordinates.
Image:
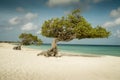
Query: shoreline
(73, 53)
(65, 53)
(26, 65)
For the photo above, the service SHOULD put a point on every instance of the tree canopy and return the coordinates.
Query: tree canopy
(72, 26)
(28, 39)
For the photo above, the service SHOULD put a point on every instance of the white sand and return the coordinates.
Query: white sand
(25, 65)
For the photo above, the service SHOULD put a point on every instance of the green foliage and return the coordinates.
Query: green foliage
(72, 26)
(28, 39)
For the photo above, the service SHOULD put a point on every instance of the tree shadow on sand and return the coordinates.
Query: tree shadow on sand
(80, 55)
(70, 55)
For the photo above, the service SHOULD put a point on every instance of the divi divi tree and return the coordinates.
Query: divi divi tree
(27, 39)
(72, 26)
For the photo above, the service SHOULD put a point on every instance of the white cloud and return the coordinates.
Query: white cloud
(116, 22)
(38, 32)
(23, 19)
(66, 12)
(108, 24)
(30, 16)
(14, 20)
(53, 3)
(115, 12)
(117, 34)
(113, 23)
(29, 27)
(20, 9)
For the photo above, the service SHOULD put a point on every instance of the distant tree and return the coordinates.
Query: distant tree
(28, 39)
(73, 26)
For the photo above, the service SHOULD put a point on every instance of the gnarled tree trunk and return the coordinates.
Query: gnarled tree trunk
(51, 52)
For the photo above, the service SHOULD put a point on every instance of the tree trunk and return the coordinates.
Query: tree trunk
(51, 52)
(54, 43)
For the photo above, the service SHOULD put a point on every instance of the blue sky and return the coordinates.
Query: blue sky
(18, 16)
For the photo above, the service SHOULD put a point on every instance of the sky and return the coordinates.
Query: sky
(19, 16)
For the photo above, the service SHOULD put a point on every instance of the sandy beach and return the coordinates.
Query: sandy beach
(25, 65)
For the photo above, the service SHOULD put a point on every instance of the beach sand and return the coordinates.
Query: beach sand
(25, 65)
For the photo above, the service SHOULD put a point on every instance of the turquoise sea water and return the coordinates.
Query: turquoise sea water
(113, 50)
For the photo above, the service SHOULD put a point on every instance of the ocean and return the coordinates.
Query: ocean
(113, 50)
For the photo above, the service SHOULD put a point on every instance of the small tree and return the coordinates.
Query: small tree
(73, 26)
(28, 39)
